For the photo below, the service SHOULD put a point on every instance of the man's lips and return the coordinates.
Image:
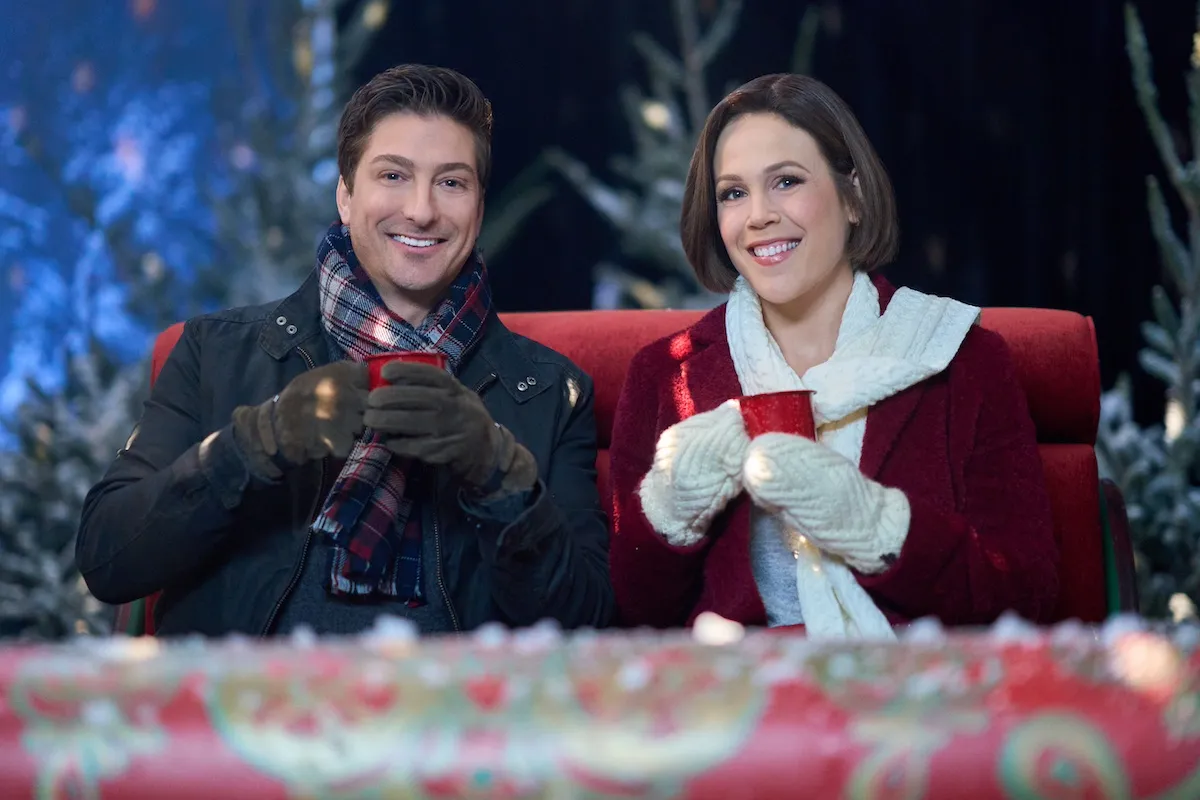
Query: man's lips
(416, 242)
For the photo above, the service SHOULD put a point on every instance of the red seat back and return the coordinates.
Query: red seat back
(1056, 359)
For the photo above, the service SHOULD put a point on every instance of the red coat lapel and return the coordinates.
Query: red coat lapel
(707, 373)
(886, 420)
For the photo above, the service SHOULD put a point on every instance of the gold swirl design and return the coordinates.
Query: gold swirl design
(1053, 755)
(329, 731)
(660, 718)
(895, 772)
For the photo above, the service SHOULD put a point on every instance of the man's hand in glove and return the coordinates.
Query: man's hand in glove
(319, 413)
(425, 413)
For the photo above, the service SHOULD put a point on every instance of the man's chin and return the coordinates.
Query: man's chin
(429, 280)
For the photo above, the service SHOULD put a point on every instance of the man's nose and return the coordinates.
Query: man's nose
(421, 208)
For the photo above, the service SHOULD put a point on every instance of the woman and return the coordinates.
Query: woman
(924, 493)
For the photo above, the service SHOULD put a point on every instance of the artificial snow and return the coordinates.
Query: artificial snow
(390, 630)
(1119, 626)
(1012, 629)
(926, 630)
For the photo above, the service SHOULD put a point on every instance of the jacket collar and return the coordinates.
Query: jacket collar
(499, 357)
(296, 322)
(708, 374)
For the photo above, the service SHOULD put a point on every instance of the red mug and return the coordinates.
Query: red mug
(779, 412)
(375, 363)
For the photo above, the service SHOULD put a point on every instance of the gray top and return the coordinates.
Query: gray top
(774, 568)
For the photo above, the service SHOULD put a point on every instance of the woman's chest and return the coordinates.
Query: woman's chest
(923, 455)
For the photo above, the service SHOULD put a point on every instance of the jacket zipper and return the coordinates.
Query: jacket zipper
(437, 532)
(312, 514)
(487, 381)
(437, 551)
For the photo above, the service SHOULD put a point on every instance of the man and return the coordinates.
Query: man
(267, 488)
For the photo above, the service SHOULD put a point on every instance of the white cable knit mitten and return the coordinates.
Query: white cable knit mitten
(697, 471)
(826, 497)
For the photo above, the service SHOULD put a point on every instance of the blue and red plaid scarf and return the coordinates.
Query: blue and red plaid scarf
(369, 518)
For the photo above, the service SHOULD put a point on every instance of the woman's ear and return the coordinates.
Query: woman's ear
(852, 209)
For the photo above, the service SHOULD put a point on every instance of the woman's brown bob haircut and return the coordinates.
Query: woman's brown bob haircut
(813, 107)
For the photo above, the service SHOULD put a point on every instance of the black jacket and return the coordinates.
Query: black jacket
(178, 512)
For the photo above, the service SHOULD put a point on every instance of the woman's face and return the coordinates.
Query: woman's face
(781, 218)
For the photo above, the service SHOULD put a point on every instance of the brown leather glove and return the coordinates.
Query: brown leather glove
(319, 413)
(425, 413)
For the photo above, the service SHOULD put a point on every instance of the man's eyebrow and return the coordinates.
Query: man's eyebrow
(407, 163)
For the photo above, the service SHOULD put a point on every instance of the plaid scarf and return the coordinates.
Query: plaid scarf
(370, 518)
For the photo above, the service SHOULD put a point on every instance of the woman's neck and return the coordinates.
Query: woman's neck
(806, 329)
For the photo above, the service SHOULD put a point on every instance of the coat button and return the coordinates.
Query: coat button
(281, 320)
(522, 386)
(291, 329)
(532, 381)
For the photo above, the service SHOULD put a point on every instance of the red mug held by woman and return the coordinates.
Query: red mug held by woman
(375, 363)
(779, 412)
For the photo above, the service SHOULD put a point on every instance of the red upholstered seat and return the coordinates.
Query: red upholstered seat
(1056, 357)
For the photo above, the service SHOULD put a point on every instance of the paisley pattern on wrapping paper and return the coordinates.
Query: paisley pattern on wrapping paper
(649, 716)
(634, 715)
(601, 721)
(86, 722)
(905, 722)
(316, 725)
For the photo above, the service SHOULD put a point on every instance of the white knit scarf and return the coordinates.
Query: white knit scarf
(874, 358)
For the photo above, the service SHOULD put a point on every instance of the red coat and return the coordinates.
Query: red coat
(961, 445)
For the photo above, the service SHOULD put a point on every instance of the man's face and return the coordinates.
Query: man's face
(416, 209)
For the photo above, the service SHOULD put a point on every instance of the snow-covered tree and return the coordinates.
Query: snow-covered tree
(173, 168)
(1156, 467)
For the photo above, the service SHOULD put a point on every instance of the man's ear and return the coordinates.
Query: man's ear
(343, 199)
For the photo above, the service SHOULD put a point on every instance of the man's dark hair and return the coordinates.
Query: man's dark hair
(418, 89)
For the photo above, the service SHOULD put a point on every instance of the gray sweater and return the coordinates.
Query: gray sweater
(774, 568)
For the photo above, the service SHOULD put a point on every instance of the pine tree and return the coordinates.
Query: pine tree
(65, 441)
(278, 132)
(1156, 466)
(644, 204)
